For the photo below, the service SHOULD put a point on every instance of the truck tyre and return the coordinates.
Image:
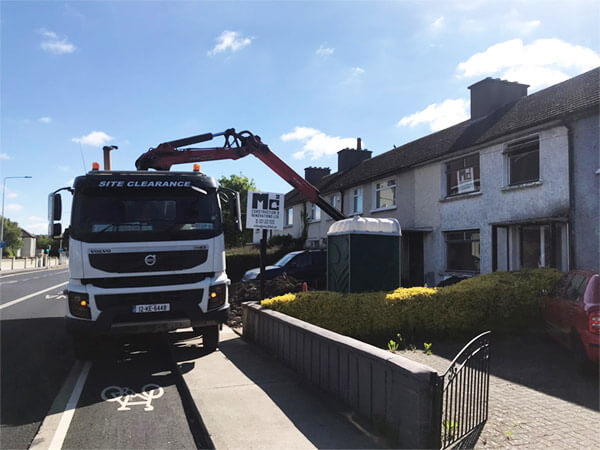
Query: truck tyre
(210, 338)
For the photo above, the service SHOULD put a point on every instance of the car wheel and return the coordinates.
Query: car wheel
(210, 337)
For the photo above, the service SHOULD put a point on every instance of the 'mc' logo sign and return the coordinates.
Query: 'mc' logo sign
(265, 211)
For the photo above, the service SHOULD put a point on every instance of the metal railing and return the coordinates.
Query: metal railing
(465, 394)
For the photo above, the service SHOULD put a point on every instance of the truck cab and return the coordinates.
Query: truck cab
(147, 254)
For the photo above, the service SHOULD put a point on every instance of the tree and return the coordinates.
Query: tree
(241, 184)
(12, 236)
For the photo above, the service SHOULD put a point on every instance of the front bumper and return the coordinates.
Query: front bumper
(122, 321)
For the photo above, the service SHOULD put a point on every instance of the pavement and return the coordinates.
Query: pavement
(248, 400)
(538, 397)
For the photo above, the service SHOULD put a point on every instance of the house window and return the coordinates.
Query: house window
(462, 251)
(289, 217)
(333, 201)
(462, 175)
(314, 243)
(314, 214)
(523, 161)
(357, 200)
(385, 194)
(536, 246)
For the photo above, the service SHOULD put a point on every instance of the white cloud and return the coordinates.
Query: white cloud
(45, 119)
(5, 156)
(324, 51)
(40, 227)
(63, 168)
(11, 194)
(13, 207)
(94, 139)
(356, 71)
(316, 143)
(541, 63)
(439, 115)
(36, 218)
(70, 182)
(438, 23)
(52, 43)
(230, 40)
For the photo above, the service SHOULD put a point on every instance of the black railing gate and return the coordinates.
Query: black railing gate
(465, 394)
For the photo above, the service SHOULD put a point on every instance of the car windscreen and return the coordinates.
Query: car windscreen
(283, 261)
(141, 215)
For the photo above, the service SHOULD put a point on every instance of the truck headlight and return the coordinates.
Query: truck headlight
(216, 296)
(79, 305)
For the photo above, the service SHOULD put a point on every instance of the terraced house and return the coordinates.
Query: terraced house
(515, 186)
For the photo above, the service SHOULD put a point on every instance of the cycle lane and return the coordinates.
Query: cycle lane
(129, 400)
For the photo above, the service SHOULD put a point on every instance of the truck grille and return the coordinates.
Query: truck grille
(105, 301)
(146, 281)
(148, 261)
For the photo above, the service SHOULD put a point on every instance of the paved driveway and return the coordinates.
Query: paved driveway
(537, 397)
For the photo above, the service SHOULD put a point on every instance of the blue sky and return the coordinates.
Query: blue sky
(308, 77)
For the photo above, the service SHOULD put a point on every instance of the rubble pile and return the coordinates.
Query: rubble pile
(247, 292)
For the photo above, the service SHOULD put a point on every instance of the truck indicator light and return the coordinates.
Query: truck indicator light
(196, 167)
(95, 166)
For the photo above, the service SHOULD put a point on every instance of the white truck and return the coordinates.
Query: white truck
(146, 248)
(146, 254)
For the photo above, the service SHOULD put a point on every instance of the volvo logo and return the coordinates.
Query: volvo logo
(150, 260)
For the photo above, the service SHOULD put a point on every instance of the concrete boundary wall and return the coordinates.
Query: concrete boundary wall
(400, 397)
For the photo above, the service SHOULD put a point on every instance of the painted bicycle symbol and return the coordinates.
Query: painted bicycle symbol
(127, 397)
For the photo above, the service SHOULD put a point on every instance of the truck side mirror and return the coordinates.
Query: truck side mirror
(56, 230)
(57, 206)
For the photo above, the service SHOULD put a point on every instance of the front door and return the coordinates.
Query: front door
(412, 259)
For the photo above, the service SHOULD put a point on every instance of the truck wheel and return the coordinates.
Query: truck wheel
(210, 338)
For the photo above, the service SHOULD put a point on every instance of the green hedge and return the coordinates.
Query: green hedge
(504, 302)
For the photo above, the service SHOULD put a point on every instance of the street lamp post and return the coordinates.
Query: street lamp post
(2, 225)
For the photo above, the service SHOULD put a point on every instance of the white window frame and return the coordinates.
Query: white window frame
(512, 149)
(385, 186)
(333, 201)
(314, 214)
(355, 194)
(289, 218)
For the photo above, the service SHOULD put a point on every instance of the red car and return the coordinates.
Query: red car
(572, 313)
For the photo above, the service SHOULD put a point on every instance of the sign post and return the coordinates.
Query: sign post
(265, 212)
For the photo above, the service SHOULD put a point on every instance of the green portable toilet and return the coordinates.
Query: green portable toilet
(363, 254)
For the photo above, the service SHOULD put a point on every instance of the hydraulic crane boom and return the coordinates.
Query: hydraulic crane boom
(237, 145)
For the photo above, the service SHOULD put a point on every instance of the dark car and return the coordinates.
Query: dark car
(303, 265)
(572, 313)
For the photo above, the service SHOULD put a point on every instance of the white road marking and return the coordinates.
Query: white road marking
(124, 396)
(67, 416)
(27, 297)
(32, 271)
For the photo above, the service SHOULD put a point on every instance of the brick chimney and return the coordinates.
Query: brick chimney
(349, 158)
(490, 94)
(314, 174)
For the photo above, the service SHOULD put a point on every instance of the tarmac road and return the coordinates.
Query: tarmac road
(35, 351)
(146, 392)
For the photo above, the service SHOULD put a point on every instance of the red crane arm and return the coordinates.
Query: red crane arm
(237, 145)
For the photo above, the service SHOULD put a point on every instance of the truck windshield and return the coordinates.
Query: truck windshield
(144, 215)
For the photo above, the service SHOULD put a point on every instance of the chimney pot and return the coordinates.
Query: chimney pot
(358, 144)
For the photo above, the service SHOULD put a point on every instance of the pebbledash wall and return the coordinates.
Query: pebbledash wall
(565, 199)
